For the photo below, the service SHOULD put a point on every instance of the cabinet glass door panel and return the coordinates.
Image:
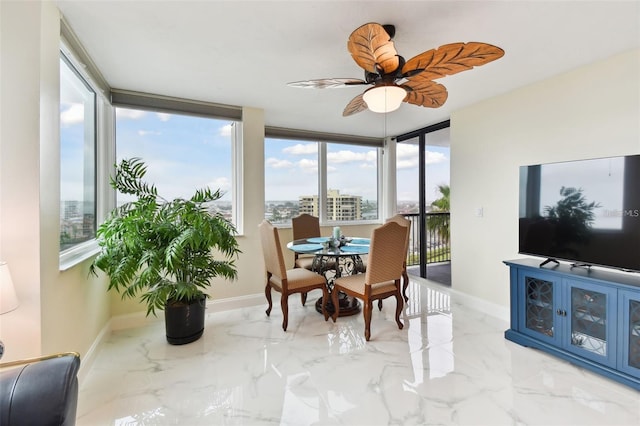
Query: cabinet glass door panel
(539, 305)
(629, 355)
(634, 333)
(589, 320)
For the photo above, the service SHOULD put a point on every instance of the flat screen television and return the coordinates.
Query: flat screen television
(586, 212)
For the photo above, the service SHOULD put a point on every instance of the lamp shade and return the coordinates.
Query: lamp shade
(384, 98)
(8, 298)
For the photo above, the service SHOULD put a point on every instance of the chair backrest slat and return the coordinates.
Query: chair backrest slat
(305, 226)
(403, 221)
(386, 255)
(272, 250)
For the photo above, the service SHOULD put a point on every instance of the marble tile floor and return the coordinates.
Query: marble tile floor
(450, 365)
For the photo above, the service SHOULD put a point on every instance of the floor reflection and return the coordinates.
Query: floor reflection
(450, 364)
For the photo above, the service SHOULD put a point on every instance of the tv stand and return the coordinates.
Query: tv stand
(550, 260)
(589, 317)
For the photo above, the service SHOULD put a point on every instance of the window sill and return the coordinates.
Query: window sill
(75, 255)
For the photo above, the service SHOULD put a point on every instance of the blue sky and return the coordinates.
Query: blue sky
(184, 153)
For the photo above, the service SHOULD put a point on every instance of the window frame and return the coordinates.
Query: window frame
(103, 117)
(323, 140)
(162, 104)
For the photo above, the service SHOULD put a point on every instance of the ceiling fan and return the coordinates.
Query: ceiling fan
(395, 80)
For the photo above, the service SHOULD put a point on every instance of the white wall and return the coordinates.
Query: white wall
(52, 304)
(19, 206)
(590, 112)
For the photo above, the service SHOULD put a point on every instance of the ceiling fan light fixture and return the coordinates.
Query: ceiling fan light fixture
(384, 98)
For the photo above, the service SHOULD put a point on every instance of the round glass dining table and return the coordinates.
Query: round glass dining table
(333, 261)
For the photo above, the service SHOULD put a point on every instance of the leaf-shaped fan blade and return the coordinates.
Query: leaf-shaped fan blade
(356, 105)
(372, 49)
(450, 59)
(326, 83)
(425, 93)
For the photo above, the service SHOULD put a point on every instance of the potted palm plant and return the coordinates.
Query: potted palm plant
(162, 250)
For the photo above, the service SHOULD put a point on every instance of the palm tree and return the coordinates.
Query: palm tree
(439, 224)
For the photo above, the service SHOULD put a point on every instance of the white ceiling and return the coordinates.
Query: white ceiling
(244, 52)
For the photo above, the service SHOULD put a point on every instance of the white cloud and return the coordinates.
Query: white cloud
(405, 150)
(350, 156)
(302, 149)
(72, 115)
(222, 183)
(276, 163)
(308, 166)
(411, 163)
(148, 132)
(407, 156)
(132, 114)
(435, 157)
(163, 116)
(226, 130)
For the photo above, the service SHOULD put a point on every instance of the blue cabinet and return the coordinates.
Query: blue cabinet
(629, 356)
(541, 298)
(588, 317)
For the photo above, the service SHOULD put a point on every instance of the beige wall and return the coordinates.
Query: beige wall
(589, 112)
(52, 304)
(19, 158)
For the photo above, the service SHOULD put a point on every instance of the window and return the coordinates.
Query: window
(77, 158)
(291, 179)
(352, 182)
(295, 170)
(182, 153)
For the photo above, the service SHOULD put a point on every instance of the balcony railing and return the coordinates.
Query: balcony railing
(438, 246)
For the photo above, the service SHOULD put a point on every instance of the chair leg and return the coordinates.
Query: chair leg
(399, 305)
(405, 284)
(325, 300)
(336, 305)
(267, 293)
(367, 310)
(303, 298)
(284, 304)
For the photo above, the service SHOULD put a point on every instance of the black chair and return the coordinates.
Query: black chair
(40, 391)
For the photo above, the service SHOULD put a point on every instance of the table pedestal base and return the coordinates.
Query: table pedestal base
(348, 306)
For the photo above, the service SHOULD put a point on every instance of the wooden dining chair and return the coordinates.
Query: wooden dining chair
(403, 221)
(304, 226)
(286, 281)
(383, 276)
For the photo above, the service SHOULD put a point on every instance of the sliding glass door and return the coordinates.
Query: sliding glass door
(422, 164)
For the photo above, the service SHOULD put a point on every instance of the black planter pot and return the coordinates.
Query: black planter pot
(184, 321)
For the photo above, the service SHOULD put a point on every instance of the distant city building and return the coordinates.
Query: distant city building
(339, 206)
(77, 223)
(309, 205)
(71, 209)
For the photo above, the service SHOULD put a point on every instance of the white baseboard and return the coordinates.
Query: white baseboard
(87, 360)
(489, 308)
(139, 319)
(484, 306)
(237, 302)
